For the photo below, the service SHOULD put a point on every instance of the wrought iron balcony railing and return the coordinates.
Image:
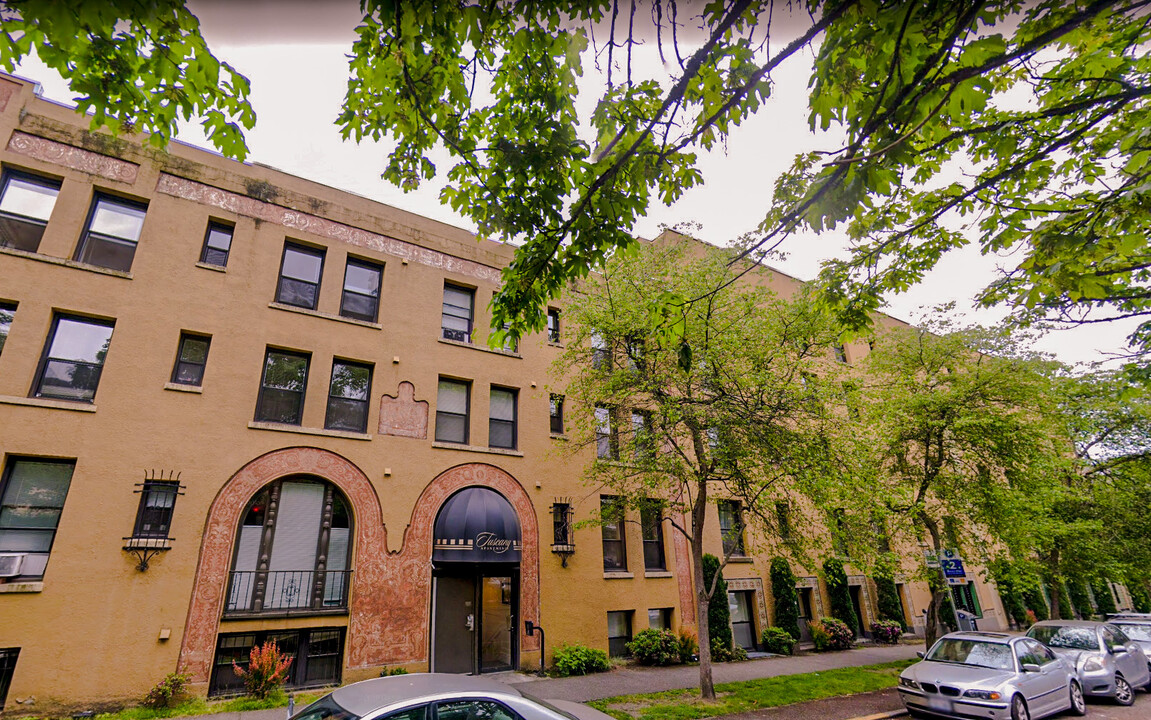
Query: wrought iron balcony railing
(273, 591)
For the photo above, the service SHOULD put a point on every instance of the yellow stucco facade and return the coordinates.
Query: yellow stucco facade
(89, 628)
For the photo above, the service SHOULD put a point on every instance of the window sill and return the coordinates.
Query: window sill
(657, 574)
(481, 348)
(22, 587)
(324, 315)
(476, 449)
(559, 436)
(51, 260)
(180, 387)
(73, 405)
(740, 559)
(213, 268)
(301, 612)
(147, 543)
(555, 345)
(617, 575)
(299, 430)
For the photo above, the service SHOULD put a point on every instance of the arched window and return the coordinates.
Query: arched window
(292, 549)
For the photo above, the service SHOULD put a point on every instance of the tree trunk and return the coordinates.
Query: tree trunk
(1054, 584)
(933, 626)
(702, 592)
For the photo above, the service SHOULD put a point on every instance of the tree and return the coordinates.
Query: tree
(784, 596)
(1043, 105)
(839, 594)
(953, 445)
(718, 613)
(728, 413)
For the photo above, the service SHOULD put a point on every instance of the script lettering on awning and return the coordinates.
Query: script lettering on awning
(489, 541)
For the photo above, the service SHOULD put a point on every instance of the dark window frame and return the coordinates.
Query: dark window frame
(8, 658)
(305, 250)
(562, 516)
(840, 352)
(554, 328)
(732, 536)
(180, 362)
(556, 414)
(7, 309)
(366, 402)
(84, 246)
(45, 358)
(5, 481)
(467, 385)
(33, 179)
(651, 524)
(206, 249)
(375, 299)
(307, 358)
(470, 317)
(298, 670)
(514, 422)
(609, 509)
(614, 642)
(149, 489)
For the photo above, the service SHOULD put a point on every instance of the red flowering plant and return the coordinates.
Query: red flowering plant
(267, 670)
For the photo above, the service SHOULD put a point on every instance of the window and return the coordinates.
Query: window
(361, 298)
(556, 414)
(600, 353)
(191, 359)
(659, 618)
(452, 404)
(157, 501)
(456, 322)
(300, 273)
(473, 710)
(348, 396)
(641, 434)
(316, 653)
(502, 420)
(32, 494)
(295, 558)
(840, 352)
(553, 325)
(281, 397)
(651, 521)
(618, 632)
(26, 203)
(217, 244)
(783, 519)
(562, 523)
(74, 358)
(8, 658)
(606, 438)
(7, 314)
(614, 551)
(113, 230)
(731, 527)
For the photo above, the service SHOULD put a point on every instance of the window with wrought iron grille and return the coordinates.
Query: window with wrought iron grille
(157, 503)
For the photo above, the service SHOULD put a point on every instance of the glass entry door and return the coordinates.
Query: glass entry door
(474, 620)
(497, 623)
(742, 626)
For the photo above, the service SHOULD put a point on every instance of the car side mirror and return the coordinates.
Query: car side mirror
(920, 654)
(1031, 667)
(1117, 649)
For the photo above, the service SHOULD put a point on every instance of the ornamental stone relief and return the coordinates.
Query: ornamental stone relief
(72, 157)
(756, 586)
(403, 415)
(8, 90)
(684, 576)
(293, 219)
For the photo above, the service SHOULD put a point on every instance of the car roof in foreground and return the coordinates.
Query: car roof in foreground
(1069, 623)
(364, 697)
(978, 635)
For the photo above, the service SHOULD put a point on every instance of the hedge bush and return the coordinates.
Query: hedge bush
(168, 692)
(1080, 600)
(655, 647)
(841, 606)
(887, 631)
(785, 597)
(688, 645)
(888, 604)
(831, 634)
(777, 640)
(1104, 600)
(579, 660)
(718, 612)
(726, 653)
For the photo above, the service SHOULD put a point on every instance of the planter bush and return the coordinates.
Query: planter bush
(168, 692)
(579, 660)
(887, 600)
(784, 595)
(655, 647)
(688, 645)
(777, 640)
(887, 631)
(840, 595)
(266, 672)
(831, 634)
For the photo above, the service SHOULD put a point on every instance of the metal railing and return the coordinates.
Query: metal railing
(251, 591)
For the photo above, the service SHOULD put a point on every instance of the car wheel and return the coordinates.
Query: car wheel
(1124, 694)
(1078, 704)
(1019, 709)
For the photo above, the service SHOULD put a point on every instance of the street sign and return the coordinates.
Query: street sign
(957, 581)
(931, 558)
(953, 567)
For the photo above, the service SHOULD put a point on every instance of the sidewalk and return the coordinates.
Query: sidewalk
(637, 679)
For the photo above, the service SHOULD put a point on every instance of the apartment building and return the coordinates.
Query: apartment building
(240, 406)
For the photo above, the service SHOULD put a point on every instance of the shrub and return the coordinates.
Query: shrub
(718, 612)
(1080, 600)
(726, 653)
(887, 600)
(390, 671)
(655, 647)
(841, 605)
(1104, 600)
(168, 692)
(579, 660)
(1030, 618)
(777, 640)
(831, 634)
(887, 631)
(1033, 600)
(786, 600)
(688, 645)
(267, 670)
(1140, 600)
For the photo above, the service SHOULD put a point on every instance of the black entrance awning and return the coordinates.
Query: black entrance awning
(476, 525)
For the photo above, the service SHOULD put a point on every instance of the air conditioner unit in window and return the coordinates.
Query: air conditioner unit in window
(10, 564)
(457, 335)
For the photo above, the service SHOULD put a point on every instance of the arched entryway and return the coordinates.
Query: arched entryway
(476, 552)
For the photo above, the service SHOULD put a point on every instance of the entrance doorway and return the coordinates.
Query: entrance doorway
(475, 584)
(803, 596)
(742, 626)
(857, 602)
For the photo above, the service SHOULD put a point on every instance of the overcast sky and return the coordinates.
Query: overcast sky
(294, 52)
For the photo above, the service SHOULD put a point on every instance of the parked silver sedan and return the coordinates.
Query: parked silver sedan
(990, 675)
(1136, 626)
(432, 696)
(1107, 663)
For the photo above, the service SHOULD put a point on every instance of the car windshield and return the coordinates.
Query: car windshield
(549, 706)
(1065, 636)
(325, 709)
(1136, 632)
(973, 652)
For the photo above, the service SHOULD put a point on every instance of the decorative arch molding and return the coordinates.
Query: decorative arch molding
(216, 548)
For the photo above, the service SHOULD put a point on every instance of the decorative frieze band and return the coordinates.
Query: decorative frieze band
(322, 227)
(72, 157)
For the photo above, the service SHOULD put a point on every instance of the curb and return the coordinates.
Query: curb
(882, 715)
